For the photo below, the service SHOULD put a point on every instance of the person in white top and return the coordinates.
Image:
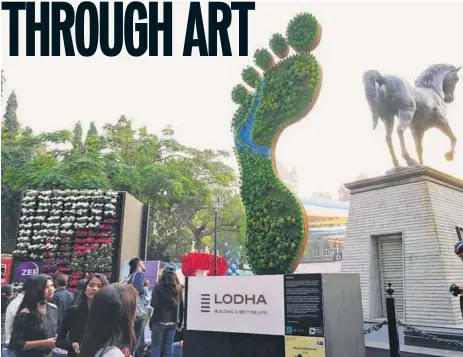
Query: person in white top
(12, 310)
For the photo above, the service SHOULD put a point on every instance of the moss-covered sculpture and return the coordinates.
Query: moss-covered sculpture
(276, 221)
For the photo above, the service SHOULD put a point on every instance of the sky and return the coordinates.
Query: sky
(332, 145)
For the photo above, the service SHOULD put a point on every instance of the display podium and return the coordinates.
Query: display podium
(274, 315)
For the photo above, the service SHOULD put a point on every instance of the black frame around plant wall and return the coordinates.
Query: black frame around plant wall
(9, 245)
(118, 233)
(13, 258)
(144, 232)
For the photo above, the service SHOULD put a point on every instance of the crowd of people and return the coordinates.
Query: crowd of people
(98, 320)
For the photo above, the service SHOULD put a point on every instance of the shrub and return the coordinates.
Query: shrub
(240, 94)
(250, 76)
(302, 31)
(263, 59)
(279, 45)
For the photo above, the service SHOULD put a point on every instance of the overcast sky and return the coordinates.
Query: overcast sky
(333, 144)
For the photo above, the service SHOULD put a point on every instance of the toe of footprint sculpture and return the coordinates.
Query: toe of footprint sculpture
(276, 223)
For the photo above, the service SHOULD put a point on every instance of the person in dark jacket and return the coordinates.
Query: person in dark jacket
(167, 302)
(35, 325)
(62, 297)
(72, 330)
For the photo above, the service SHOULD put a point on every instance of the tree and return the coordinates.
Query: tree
(178, 182)
(10, 125)
(3, 81)
(76, 141)
(231, 224)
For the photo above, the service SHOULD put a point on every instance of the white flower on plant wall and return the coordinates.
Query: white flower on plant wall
(110, 213)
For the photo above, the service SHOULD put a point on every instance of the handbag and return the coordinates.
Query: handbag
(142, 309)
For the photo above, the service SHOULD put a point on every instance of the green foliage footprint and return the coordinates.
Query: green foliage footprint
(276, 233)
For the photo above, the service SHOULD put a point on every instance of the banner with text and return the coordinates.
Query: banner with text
(241, 304)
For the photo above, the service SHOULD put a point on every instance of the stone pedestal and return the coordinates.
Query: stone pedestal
(402, 228)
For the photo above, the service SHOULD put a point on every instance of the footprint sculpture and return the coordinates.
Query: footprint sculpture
(276, 222)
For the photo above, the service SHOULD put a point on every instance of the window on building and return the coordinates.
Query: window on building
(326, 249)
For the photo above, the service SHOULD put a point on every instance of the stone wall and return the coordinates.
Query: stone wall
(424, 206)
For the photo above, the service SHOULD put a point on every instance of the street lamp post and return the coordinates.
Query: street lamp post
(217, 203)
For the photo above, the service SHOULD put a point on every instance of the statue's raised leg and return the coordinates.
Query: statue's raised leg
(405, 119)
(389, 124)
(445, 128)
(418, 137)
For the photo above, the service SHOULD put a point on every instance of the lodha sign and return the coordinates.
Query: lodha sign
(244, 304)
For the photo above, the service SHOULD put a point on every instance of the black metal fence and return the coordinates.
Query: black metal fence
(392, 322)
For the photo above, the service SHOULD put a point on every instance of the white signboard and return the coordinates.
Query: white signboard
(240, 304)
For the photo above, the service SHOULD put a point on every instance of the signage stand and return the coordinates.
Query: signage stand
(295, 315)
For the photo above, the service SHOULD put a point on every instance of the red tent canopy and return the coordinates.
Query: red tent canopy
(196, 261)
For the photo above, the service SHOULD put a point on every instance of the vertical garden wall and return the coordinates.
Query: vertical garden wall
(75, 232)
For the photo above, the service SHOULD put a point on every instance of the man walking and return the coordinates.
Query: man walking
(62, 297)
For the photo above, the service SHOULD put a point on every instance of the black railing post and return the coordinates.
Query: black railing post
(394, 347)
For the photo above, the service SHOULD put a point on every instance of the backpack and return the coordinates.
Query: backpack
(142, 309)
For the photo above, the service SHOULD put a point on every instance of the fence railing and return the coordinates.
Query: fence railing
(392, 322)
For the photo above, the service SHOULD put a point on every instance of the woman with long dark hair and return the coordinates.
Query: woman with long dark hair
(167, 302)
(35, 325)
(109, 330)
(72, 330)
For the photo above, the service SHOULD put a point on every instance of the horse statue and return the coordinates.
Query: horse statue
(419, 107)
